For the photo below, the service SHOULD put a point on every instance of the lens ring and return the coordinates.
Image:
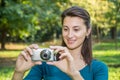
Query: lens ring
(45, 54)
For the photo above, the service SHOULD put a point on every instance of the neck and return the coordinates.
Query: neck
(76, 53)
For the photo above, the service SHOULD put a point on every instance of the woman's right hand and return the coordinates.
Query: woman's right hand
(24, 61)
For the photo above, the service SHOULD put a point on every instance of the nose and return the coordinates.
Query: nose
(70, 34)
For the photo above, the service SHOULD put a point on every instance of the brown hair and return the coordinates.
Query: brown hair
(75, 11)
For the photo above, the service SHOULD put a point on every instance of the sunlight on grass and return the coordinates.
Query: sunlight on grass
(9, 54)
(106, 46)
(114, 73)
(6, 73)
(111, 57)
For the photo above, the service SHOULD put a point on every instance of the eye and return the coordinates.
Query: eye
(76, 29)
(65, 29)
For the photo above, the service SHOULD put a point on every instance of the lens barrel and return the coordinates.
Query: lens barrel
(45, 54)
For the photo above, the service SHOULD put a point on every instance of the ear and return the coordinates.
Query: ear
(88, 32)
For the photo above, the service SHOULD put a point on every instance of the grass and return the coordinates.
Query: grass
(114, 73)
(6, 73)
(105, 52)
(111, 57)
(108, 53)
(9, 54)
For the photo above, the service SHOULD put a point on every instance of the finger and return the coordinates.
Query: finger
(51, 63)
(55, 47)
(24, 55)
(29, 50)
(55, 63)
(38, 63)
(62, 56)
(34, 46)
(66, 55)
(58, 49)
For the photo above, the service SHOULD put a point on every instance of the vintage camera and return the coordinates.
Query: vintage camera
(44, 54)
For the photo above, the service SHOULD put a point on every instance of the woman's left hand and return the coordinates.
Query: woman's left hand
(66, 62)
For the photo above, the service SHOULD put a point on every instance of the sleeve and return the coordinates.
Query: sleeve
(100, 71)
(35, 73)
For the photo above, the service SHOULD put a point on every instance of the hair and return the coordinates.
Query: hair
(75, 11)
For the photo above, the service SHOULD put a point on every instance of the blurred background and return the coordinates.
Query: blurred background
(24, 22)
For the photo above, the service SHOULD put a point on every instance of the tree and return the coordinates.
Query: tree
(114, 17)
(49, 13)
(15, 19)
(20, 18)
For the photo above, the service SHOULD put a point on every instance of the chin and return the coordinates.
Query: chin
(70, 47)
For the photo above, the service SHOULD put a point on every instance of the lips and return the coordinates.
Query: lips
(70, 41)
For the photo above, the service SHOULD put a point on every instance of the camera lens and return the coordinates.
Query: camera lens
(45, 54)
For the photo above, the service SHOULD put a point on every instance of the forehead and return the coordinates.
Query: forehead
(73, 21)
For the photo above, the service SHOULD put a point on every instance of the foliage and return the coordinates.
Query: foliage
(39, 20)
(16, 18)
(49, 20)
(105, 15)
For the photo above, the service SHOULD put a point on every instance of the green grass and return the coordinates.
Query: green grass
(114, 73)
(9, 54)
(108, 53)
(6, 73)
(105, 52)
(111, 57)
(106, 46)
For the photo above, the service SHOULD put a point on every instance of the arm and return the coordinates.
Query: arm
(24, 63)
(101, 71)
(18, 76)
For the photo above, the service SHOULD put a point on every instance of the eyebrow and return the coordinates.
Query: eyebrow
(73, 26)
(65, 26)
(76, 26)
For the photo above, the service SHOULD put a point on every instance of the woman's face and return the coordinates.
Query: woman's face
(74, 32)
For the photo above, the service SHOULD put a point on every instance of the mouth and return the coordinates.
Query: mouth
(70, 41)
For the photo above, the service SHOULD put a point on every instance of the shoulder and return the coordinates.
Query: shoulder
(100, 70)
(98, 64)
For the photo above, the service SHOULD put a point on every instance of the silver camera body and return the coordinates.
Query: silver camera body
(44, 54)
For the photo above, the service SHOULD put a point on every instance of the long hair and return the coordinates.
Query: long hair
(75, 11)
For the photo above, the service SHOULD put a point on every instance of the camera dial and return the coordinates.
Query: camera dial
(45, 54)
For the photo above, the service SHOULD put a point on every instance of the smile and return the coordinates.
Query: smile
(70, 41)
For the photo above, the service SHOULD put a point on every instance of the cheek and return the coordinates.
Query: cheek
(81, 34)
(64, 34)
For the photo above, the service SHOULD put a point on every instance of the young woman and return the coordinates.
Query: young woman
(76, 62)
